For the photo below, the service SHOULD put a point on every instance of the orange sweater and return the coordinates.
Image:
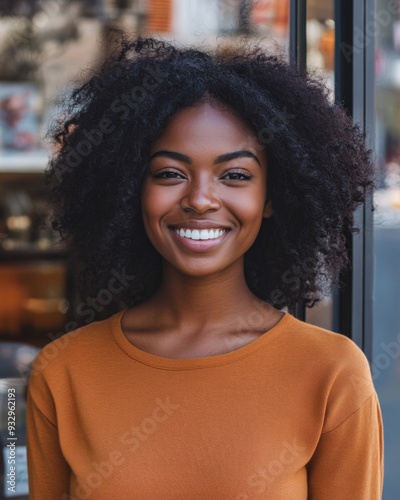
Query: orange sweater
(292, 415)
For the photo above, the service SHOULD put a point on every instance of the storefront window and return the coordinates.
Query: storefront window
(320, 31)
(386, 325)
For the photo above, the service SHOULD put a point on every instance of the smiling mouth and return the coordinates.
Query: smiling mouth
(199, 234)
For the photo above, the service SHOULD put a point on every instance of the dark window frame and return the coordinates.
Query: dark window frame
(355, 88)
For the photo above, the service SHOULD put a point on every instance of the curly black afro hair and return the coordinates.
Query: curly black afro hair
(319, 169)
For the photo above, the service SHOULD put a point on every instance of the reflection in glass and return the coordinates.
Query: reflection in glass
(320, 61)
(386, 326)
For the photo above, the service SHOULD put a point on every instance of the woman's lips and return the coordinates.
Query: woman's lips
(199, 245)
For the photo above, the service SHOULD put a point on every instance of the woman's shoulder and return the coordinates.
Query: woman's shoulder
(76, 346)
(336, 357)
(331, 367)
(327, 344)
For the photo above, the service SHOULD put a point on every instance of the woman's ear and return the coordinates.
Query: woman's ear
(268, 210)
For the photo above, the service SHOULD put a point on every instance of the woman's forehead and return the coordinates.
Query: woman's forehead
(207, 125)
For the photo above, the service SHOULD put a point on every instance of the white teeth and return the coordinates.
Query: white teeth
(204, 234)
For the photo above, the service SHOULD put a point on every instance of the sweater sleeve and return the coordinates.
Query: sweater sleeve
(48, 472)
(348, 461)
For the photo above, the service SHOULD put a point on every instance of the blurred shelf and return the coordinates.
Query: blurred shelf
(37, 339)
(30, 162)
(31, 255)
(30, 336)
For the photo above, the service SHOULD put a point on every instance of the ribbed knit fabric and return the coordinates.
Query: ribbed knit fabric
(292, 415)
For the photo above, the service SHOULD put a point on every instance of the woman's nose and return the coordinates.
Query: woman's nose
(201, 196)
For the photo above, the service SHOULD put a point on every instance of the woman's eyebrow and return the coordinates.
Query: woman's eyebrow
(173, 155)
(236, 154)
(220, 159)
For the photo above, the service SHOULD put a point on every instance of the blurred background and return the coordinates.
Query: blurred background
(45, 46)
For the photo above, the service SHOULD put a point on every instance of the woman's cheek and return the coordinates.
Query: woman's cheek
(248, 209)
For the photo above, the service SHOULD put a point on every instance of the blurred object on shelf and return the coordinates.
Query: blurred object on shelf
(34, 35)
(270, 17)
(44, 280)
(44, 314)
(321, 46)
(19, 117)
(388, 198)
(159, 16)
(13, 295)
(16, 359)
(387, 205)
(396, 35)
(33, 267)
(17, 217)
(32, 297)
(262, 15)
(19, 7)
(327, 48)
(25, 217)
(396, 203)
(392, 174)
(16, 162)
(281, 18)
(321, 10)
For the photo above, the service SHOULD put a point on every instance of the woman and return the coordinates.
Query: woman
(217, 189)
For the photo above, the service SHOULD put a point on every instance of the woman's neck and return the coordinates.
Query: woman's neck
(197, 302)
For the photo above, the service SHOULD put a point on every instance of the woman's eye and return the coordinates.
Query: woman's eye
(167, 174)
(238, 176)
(231, 176)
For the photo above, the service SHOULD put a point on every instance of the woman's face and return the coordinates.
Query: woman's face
(207, 182)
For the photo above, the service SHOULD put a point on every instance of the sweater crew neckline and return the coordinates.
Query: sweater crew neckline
(157, 361)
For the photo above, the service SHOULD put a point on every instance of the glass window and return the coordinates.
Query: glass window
(320, 32)
(386, 324)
